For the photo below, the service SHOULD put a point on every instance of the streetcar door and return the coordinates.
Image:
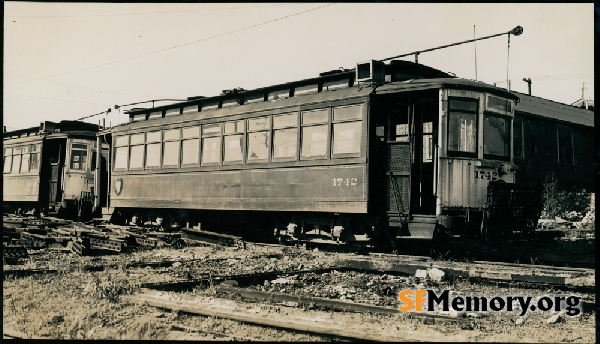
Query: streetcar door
(52, 158)
(398, 181)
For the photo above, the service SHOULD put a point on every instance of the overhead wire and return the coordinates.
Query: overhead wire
(179, 45)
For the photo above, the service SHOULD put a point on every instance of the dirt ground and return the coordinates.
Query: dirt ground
(76, 303)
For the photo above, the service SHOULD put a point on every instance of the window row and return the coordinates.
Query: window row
(22, 159)
(285, 137)
(462, 131)
(564, 143)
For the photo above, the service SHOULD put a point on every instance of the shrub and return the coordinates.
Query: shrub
(568, 204)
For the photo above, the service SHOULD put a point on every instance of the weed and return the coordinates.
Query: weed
(559, 202)
(110, 288)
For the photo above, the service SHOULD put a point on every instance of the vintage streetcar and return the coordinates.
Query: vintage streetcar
(377, 154)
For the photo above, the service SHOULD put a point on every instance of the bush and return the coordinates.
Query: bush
(566, 204)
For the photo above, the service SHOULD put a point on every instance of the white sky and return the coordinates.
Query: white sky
(70, 60)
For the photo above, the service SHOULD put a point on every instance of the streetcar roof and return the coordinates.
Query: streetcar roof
(437, 83)
(550, 109)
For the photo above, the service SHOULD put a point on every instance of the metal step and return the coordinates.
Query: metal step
(423, 218)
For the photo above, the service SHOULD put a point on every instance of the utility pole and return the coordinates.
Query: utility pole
(528, 81)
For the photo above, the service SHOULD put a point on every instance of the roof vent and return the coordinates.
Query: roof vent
(372, 71)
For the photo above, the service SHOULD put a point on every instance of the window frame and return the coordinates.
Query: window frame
(242, 137)
(326, 124)
(284, 127)
(132, 145)
(508, 126)
(359, 119)
(185, 139)
(123, 146)
(154, 142)
(269, 139)
(7, 154)
(166, 141)
(79, 150)
(219, 136)
(567, 131)
(459, 153)
(521, 131)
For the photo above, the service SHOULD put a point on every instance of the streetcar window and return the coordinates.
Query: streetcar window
(256, 124)
(171, 148)
(173, 134)
(25, 162)
(153, 136)
(314, 137)
(137, 139)
(236, 127)
(190, 149)
(190, 145)
(7, 160)
(136, 151)
(347, 113)
(34, 165)
(496, 136)
(259, 139)
(462, 126)
(565, 145)
(211, 129)
(314, 141)
(402, 133)
(121, 156)
(258, 146)
(518, 138)
(78, 156)
(122, 141)
(171, 154)
(211, 150)
(153, 155)
(233, 144)
(428, 142)
(285, 143)
(313, 117)
(137, 156)
(283, 121)
(233, 148)
(347, 137)
(153, 145)
(285, 136)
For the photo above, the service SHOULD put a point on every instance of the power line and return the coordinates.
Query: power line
(179, 45)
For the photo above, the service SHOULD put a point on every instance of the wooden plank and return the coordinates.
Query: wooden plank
(323, 302)
(327, 327)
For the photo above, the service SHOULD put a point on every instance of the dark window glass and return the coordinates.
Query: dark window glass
(565, 146)
(78, 156)
(496, 136)
(518, 138)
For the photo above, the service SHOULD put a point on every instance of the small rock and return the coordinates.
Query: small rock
(421, 273)
(521, 320)
(457, 314)
(436, 274)
(473, 315)
(176, 264)
(555, 318)
(159, 315)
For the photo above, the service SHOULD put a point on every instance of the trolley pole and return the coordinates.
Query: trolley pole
(528, 81)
